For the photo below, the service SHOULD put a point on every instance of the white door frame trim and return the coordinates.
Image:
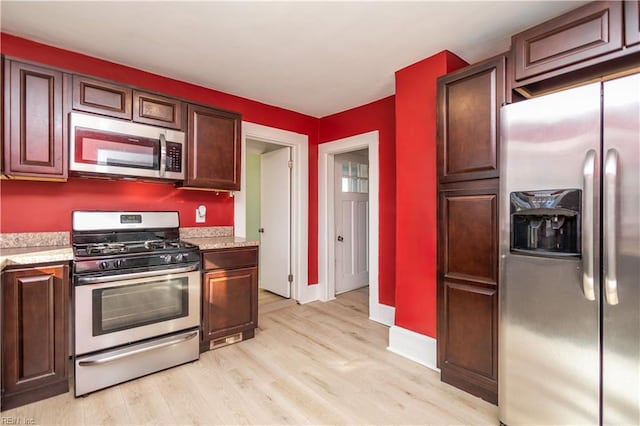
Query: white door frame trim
(326, 220)
(299, 144)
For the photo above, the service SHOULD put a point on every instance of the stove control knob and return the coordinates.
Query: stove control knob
(104, 265)
(118, 263)
(179, 257)
(166, 258)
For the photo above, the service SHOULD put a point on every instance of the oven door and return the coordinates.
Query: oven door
(129, 308)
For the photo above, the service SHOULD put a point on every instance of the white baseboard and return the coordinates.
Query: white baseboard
(308, 293)
(414, 346)
(383, 314)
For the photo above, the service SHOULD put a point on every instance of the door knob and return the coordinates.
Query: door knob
(340, 238)
(261, 230)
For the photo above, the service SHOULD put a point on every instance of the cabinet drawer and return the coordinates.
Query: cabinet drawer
(101, 97)
(230, 258)
(583, 34)
(157, 110)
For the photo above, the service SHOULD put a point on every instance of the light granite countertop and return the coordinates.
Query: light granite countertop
(47, 247)
(214, 237)
(34, 255)
(211, 243)
(28, 248)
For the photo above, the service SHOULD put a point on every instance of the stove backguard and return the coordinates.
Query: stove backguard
(546, 223)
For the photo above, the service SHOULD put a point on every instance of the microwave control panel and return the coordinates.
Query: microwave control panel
(174, 157)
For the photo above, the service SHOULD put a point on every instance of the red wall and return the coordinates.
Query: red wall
(378, 115)
(54, 200)
(29, 206)
(416, 191)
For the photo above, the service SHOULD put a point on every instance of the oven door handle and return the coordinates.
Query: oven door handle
(120, 277)
(111, 358)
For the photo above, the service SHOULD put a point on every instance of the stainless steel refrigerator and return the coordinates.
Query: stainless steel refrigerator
(569, 335)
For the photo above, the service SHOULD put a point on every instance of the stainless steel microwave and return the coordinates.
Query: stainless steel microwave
(106, 146)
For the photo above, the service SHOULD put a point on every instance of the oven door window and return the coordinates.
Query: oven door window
(131, 306)
(114, 149)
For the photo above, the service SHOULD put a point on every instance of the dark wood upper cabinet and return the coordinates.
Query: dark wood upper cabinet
(157, 110)
(469, 102)
(594, 41)
(101, 97)
(213, 159)
(120, 101)
(34, 334)
(35, 143)
(587, 32)
(632, 22)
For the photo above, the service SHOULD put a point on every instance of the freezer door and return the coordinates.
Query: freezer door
(548, 367)
(621, 252)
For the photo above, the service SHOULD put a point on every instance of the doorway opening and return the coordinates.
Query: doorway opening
(326, 220)
(351, 220)
(268, 219)
(270, 140)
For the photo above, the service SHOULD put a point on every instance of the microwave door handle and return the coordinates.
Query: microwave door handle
(163, 154)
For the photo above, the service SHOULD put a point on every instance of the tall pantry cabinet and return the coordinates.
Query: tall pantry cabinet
(469, 103)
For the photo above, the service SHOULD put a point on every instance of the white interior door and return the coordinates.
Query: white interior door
(352, 223)
(275, 219)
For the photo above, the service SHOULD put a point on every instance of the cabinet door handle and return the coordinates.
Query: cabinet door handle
(588, 205)
(610, 200)
(340, 238)
(261, 230)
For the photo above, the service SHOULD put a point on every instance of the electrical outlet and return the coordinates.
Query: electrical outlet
(201, 214)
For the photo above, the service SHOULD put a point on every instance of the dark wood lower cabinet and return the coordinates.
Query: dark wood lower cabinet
(34, 334)
(229, 296)
(469, 356)
(468, 287)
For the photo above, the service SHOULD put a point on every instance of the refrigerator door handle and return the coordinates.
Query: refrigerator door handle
(588, 174)
(610, 201)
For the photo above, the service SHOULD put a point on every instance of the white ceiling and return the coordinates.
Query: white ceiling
(316, 58)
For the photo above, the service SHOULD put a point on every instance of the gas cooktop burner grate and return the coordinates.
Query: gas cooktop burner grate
(162, 244)
(131, 248)
(106, 248)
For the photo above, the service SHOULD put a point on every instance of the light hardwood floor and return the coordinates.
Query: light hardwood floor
(268, 301)
(266, 297)
(320, 363)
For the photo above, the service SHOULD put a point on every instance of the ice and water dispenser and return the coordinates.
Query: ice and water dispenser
(546, 223)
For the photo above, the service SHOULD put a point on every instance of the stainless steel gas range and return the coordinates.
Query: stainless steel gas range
(136, 296)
